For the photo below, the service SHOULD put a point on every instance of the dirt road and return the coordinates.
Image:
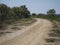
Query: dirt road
(31, 35)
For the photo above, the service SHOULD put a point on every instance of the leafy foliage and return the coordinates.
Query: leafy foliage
(8, 15)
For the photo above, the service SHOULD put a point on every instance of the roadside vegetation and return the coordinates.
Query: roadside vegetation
(51, 15)
(11, 15)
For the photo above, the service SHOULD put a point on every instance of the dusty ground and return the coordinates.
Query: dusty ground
(31, 35)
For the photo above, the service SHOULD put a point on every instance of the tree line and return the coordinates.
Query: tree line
(50, 14)
(9, 14)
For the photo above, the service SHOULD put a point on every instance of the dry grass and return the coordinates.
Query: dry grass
(17, 25)
(54, 33)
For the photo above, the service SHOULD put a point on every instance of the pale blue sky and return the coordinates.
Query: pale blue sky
(35, 6)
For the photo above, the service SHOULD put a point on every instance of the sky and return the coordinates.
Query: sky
(35, 6)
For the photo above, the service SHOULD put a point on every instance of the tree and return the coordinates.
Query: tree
(51, 12)
(21, 12)
(34, 15)
(24, 11)
(4, 11)
(40, 15)
(16, 13)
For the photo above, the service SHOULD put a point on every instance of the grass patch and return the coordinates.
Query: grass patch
(50, 40)
(49, 44)
(56, 31)
(15, 28)
(8, 32)
(52, 35)
(25, 21)
(2, 33)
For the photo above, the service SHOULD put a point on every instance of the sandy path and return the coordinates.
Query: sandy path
(31, 35)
